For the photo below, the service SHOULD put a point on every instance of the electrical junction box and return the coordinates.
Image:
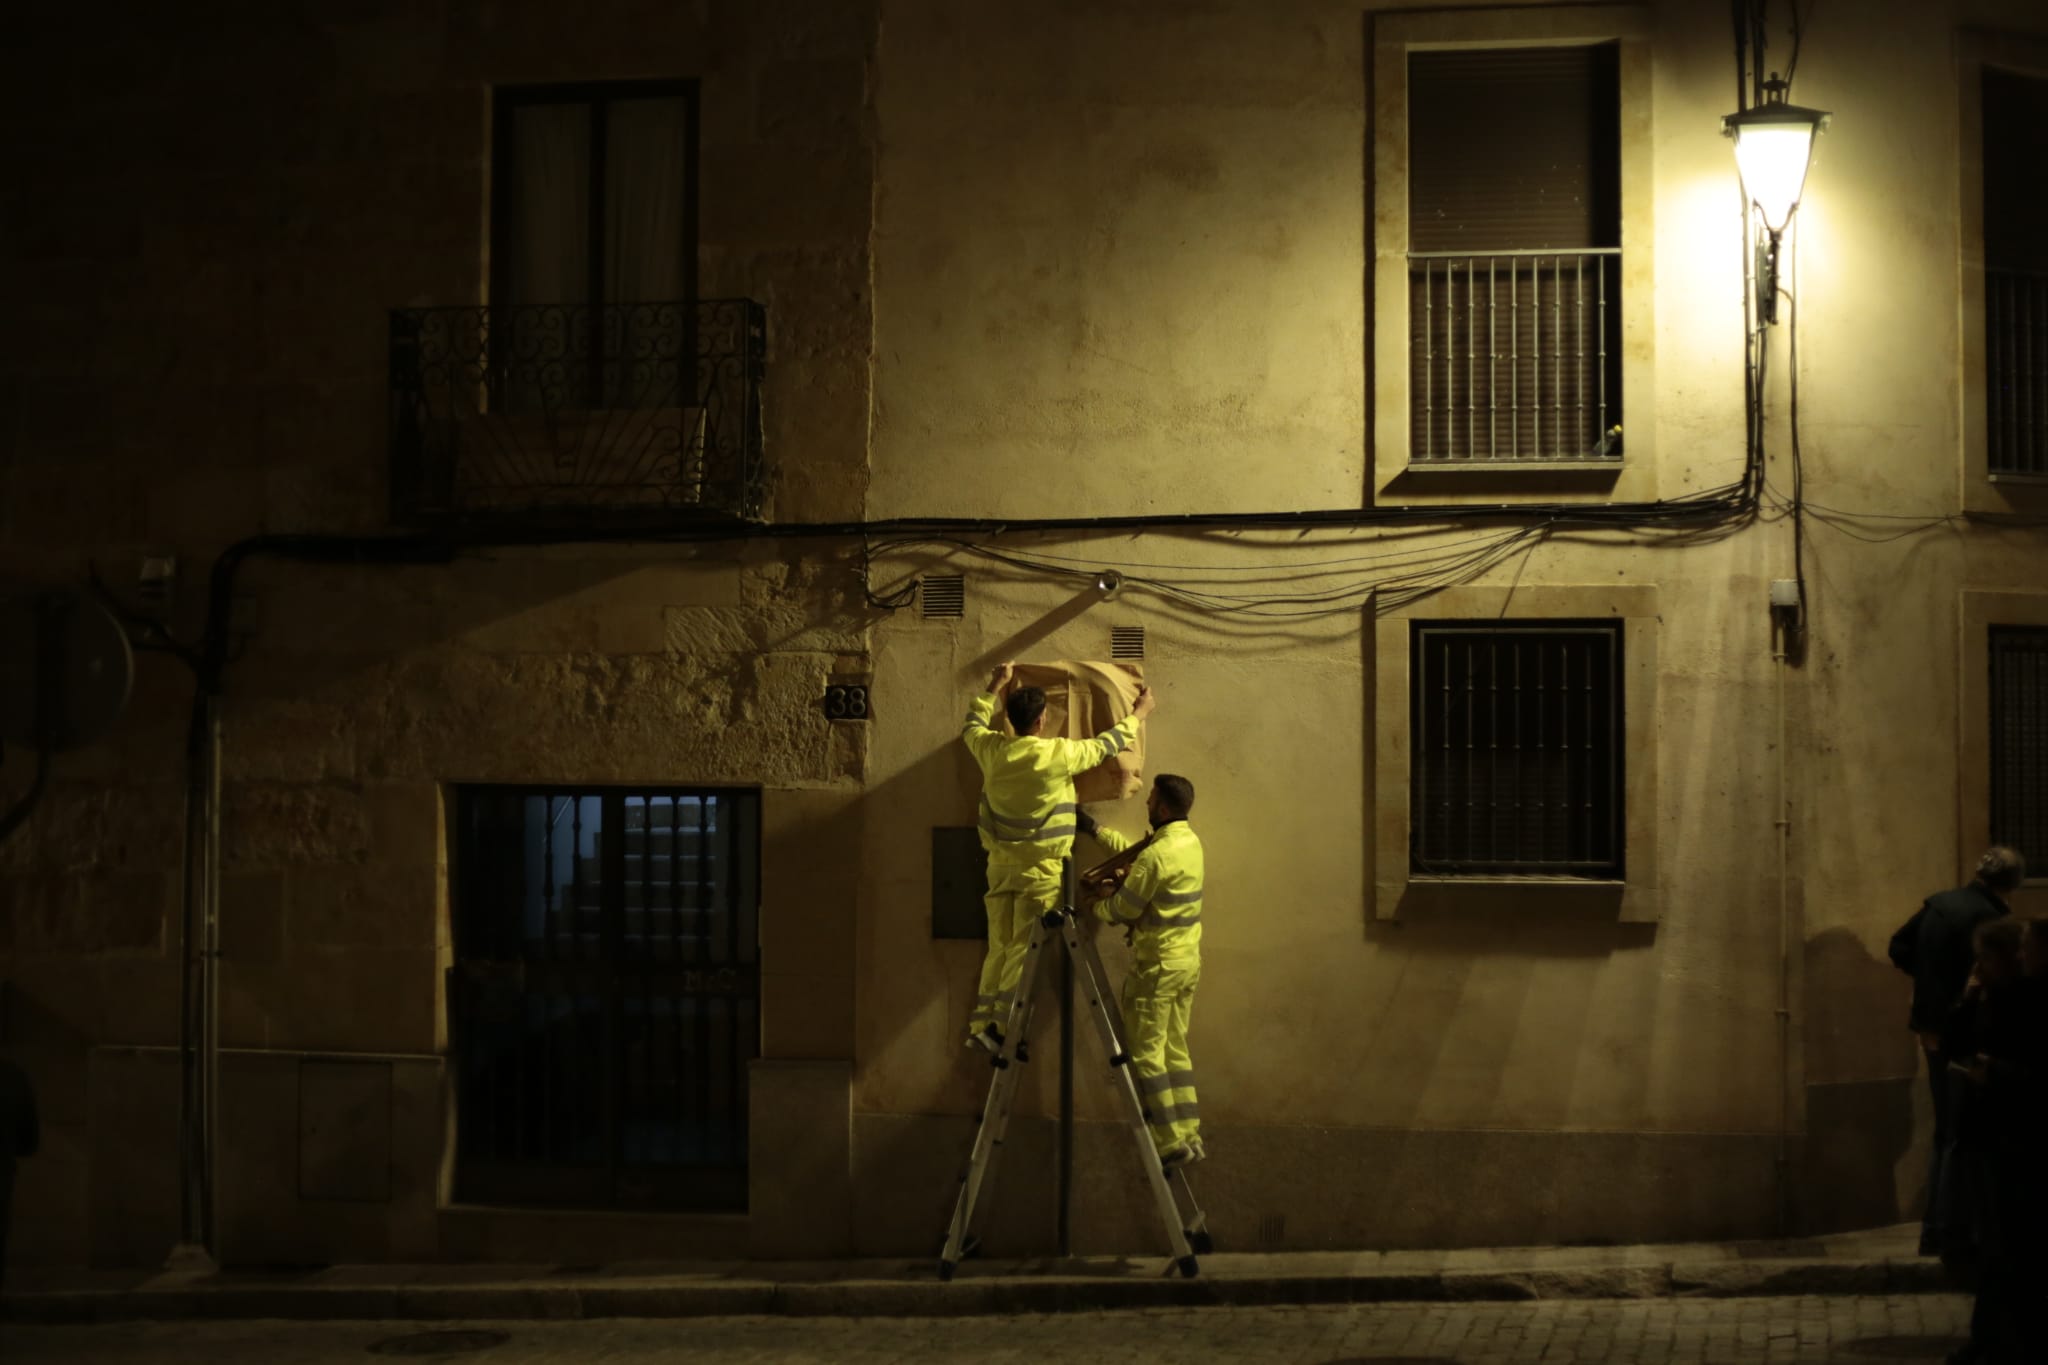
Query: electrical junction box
(1785, 592)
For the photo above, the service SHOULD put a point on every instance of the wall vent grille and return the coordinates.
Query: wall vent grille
(943, 596)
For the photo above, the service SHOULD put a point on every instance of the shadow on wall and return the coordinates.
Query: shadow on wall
(1535, 921)
(1038, 631)
(1865, 1164)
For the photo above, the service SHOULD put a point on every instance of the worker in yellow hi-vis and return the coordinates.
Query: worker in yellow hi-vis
(1160, 901)
(1027, 826)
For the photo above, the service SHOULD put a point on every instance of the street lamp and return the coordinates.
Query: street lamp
(1773, 144)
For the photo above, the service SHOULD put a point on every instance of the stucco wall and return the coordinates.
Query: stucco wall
(1148, 294)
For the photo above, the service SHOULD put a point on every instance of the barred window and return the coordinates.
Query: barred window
(2016, 272)
(1517, 749)
(2019, 740)
(604, 1002)
(1514, 253)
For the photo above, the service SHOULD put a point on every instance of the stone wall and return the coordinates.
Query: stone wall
(201, 266)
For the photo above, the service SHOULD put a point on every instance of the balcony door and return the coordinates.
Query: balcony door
(594, 246)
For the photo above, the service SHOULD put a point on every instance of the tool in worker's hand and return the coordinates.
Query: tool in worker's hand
(1101, 881)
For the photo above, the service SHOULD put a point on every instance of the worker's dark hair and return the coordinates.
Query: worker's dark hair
(2000, 938)
(1176, 792)
(1025, 706)
(2002, 868)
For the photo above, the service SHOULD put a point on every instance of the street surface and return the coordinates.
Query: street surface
(1639, 1332)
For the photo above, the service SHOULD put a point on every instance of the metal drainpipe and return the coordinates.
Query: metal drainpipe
(1783, 629)
(198, 1247)
(210, 979)
(1065, 1230)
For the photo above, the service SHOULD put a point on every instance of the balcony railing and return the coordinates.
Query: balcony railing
(2016, 354)
(1514, 356)
(631, 413)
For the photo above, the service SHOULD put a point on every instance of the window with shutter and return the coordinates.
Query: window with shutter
(1513, 322)
(2015, 133)
(1514, 250)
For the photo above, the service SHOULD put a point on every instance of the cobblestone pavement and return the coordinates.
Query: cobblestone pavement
(1709, 1331)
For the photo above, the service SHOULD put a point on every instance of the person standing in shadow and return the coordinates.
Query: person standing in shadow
(1989, 1188)
(1937, 948)
(19, 1137)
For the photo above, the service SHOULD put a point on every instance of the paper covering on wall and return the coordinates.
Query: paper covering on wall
(1082, 699)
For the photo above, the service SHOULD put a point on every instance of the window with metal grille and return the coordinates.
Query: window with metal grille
(2016, 272)
(604, 1002)
(2019, 741)
(1517, 749)
(1514, 253)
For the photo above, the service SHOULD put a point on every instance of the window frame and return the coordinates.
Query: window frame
(1983, 491)
(1982, 611)
(1421, 632)
(1396, 888)
(2037, 850)
(1396, 476)
(598, 95)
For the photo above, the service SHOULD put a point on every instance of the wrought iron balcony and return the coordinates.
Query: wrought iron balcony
(542, 415)
(1515, 356)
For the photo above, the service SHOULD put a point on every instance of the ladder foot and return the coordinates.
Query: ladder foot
(946, 1269)
(1201, 1242)
(1024, 1051)
(1189, 1267)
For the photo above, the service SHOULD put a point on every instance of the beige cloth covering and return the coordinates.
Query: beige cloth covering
(1082, 699)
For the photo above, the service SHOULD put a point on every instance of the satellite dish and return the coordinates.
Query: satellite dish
(65, 669)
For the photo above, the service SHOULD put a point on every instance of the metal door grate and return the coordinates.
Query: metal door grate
(1517, 749)
(605, 998)
(2019, 740)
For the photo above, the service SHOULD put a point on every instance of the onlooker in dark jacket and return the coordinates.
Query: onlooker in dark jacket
(1997, 1039)
(1935, 948)
(19, 1137)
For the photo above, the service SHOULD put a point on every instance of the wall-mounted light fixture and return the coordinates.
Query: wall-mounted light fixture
(1773, 145)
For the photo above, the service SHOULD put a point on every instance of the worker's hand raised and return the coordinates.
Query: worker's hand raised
(1148, 702)
(1000, 678)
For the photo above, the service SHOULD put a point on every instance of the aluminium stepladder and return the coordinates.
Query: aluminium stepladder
(1187, 1233)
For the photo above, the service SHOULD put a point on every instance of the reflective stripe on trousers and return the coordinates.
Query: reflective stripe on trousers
(1158, 1005)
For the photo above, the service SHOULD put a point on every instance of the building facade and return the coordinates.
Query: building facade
(574, 401)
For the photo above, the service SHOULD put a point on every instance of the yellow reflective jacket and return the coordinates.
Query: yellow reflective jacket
(1161, 898)
(1027, 783)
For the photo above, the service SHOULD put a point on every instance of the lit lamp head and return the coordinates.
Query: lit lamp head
(1773, 145)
